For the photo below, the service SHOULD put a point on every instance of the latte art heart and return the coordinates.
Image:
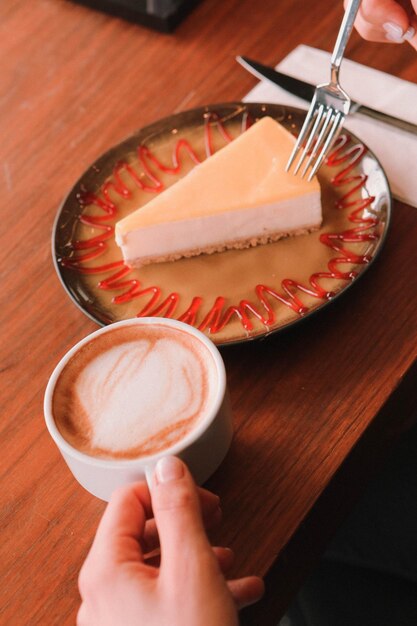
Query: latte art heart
(134, 391)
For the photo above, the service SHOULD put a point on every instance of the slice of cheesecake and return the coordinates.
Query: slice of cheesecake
(239, 197)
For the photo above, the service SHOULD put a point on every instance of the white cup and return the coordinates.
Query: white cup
(202, 449)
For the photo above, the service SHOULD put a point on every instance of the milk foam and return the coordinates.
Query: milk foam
(136, 390)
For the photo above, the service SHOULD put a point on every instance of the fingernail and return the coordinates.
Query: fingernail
(169, 468)
(394, 32)
(409, 33)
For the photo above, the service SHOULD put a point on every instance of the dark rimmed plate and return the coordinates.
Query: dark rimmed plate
(235, 295)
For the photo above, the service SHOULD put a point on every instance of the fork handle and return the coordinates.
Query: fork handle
(342, 39)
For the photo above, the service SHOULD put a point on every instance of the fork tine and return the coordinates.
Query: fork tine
(329, 97)
(320, 140)
(303, 133)
(318, 137)
(334, 132)
(310, 140)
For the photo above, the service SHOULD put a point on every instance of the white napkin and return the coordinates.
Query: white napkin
(395, 149)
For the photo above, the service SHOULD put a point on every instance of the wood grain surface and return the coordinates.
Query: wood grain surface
(316, 409)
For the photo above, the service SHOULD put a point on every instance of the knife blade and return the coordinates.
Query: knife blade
(306, 91)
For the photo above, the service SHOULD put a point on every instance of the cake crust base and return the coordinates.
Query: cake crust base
(238, 244)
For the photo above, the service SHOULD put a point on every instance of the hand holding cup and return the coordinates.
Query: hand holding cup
(119, 584)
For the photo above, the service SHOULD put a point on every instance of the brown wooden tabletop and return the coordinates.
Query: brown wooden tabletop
(316, 409)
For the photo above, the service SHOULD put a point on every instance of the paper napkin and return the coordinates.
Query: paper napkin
(395, 149)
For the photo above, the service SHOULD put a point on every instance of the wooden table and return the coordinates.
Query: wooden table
(316, 408)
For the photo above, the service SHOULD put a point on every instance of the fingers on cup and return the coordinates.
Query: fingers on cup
(225, 558)
(117, 539)
(211, 513)
(82, 616)
(122, 525)
(246, 591)
(178, 516)
(210, 507)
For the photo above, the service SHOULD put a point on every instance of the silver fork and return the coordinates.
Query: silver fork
(328, 108)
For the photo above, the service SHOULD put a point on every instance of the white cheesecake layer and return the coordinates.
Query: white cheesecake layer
(233, 229)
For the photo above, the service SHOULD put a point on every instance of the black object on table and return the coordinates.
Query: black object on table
(162, 15)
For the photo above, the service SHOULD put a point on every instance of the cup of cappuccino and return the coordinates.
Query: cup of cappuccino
(133, 392)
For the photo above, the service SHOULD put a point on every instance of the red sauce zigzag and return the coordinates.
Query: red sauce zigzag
(85, 251)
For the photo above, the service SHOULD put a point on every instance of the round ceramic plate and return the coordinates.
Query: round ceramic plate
(235, 295)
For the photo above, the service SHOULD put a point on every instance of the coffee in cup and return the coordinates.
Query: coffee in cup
(136, 390)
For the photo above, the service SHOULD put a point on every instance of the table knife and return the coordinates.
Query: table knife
(306, 90)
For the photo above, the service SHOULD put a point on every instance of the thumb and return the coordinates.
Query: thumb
(178, 517)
